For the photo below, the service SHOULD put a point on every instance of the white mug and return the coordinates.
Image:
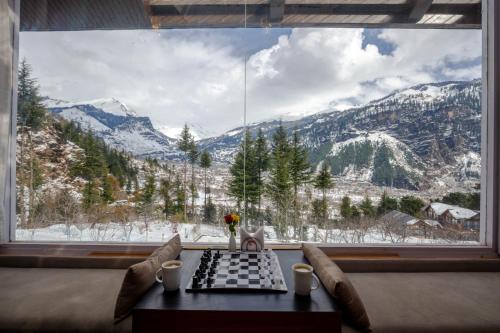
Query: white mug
(170, 274)
(303, 277)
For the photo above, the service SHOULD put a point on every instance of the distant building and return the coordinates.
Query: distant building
(453, 215)
(465, 218)
(411, 222)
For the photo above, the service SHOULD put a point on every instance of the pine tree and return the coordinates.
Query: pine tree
(323, 182)
(243, 183)
(149, 190)
(185, 145)
(300, 171)
(411, 205)
(180, 196)
(165, 188)
(355, 211)
(205, 164)
(346, 208)
(110, 188)
(280, 186)
(386, 204)
(90, 194)
(366, 207)
(31, 113)
(31, 116)
(210, 211)
(261, 163)
(193, 155)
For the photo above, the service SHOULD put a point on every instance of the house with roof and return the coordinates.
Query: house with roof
(410, 222)
(452, 215)
(434, 210)
(462, 217)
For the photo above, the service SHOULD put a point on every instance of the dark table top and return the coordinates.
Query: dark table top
(157, 299)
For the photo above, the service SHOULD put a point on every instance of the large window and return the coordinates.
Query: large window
(328, 135)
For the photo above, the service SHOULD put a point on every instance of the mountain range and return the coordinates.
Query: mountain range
(408, 139)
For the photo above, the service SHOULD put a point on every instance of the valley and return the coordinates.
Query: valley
(422, 142)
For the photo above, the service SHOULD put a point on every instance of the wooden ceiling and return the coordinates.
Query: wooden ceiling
(61, 15)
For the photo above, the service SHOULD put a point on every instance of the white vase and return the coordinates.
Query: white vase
(232, 243)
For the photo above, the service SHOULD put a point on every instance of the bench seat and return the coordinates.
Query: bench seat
(83, 300)
(430, 302)
(60, 300)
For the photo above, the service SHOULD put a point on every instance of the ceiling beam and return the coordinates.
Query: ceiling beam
(276, 11)
(63, 15)
(420, 7)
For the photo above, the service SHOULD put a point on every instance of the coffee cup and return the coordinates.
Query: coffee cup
(169, 274)
(304, 278)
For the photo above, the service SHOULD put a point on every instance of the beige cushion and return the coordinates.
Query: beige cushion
(454, 302)
(60, 300)
(339, 286)
(141, 276)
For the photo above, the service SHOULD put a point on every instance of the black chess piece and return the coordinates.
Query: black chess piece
(196, 282)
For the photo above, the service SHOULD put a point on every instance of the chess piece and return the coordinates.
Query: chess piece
(252, 241)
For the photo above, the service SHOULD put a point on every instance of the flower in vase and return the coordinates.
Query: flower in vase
(232, 220)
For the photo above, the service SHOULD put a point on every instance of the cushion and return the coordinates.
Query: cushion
(456, 302)
(60, 300)
(338, 285)
(141, 276)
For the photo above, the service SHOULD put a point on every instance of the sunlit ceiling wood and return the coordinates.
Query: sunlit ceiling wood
(40, 15)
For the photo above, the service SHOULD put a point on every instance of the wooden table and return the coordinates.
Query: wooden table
(179, 311)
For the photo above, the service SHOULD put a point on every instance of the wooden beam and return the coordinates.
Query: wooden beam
(420, 7)
(276, 10)
(63, 15)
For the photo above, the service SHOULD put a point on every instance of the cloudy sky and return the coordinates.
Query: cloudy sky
(198, 76)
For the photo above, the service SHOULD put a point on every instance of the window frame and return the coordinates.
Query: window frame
(490, 172)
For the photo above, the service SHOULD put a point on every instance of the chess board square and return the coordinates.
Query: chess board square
(235, 256)
(243, 259)
(253, 263)
(233, 271)
(244, 267)
(254, 276)
(252, 255)
(221, 276)
(243, 286)
(253, 271)
(231, 281)
(242, 276)
(254, 281)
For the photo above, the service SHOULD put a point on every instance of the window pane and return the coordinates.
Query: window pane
(374, 135)
(315, 134)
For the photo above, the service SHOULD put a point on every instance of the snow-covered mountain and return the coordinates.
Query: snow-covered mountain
(118, 126)
(406, 139)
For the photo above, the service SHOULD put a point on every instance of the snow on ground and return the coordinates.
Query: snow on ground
(160, 231)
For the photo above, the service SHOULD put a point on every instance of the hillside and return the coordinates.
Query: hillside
(409, 139)
(118, 126)
(406, 139)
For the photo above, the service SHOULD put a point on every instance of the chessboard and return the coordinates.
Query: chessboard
(238, 271)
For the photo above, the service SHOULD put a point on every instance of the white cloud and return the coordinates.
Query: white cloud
(200, 79)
